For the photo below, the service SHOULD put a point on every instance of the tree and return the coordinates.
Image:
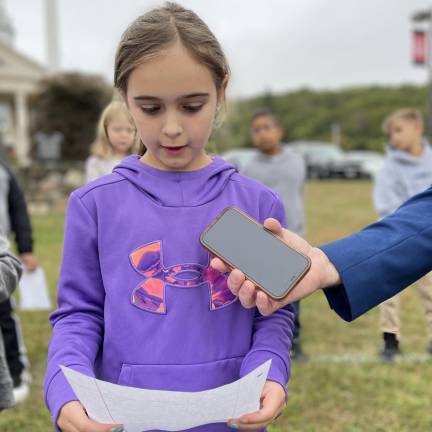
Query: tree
(308, 115)
(71, 103)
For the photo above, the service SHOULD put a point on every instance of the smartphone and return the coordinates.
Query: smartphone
(243, 243)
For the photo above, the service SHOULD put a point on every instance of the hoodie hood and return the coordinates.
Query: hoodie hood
(403, 157)
(177, 188)
(401, 177)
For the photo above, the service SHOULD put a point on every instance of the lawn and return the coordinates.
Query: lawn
(343, 388)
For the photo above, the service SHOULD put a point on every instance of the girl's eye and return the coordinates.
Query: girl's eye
(193, 107)
(150, 109)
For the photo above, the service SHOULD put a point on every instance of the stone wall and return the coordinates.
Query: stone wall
(47, 185)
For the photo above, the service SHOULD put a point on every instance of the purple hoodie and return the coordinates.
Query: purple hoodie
(137, 303)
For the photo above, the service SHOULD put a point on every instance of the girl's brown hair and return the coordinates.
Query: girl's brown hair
(102, 147)
(158, 29)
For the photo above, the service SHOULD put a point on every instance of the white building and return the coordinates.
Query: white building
(19, 78)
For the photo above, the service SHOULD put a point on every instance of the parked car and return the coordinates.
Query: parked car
(239, 157)
(371, 162)
(326, 160)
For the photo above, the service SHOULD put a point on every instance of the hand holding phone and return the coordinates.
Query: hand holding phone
(245, 244)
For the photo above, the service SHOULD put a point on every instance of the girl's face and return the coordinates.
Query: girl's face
(121, 134)
(173, 101)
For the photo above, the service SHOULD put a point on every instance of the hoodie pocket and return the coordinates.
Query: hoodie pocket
(185, 377)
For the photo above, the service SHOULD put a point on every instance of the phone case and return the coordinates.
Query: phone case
(209, 248)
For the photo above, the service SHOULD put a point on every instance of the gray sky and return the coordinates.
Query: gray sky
(273, 44)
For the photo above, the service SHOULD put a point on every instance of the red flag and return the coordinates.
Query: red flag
(420, 47)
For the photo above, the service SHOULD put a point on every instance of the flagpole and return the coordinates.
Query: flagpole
(418, 17)
(429, 64)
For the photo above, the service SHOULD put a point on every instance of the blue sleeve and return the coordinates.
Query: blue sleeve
(272, 335)
(382, 259)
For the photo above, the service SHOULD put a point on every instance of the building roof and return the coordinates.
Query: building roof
(17, 71)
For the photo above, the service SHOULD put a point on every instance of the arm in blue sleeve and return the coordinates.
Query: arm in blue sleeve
(382, 259)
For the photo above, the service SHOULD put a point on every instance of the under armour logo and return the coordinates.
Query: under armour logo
(150, 294)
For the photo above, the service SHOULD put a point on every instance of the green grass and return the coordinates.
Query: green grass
(323, 397)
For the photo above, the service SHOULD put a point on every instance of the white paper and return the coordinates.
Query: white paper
(33, 290)
(141, 410)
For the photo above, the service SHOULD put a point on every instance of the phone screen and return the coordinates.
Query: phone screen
(262, 257)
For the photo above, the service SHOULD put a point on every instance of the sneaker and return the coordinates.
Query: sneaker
(391, 347)
(21, 390)
(297, 353)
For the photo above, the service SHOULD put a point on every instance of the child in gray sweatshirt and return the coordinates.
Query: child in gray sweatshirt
(10, 272)
(407, 171)
(284, 171)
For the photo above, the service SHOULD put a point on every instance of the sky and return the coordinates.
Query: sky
(272, 45)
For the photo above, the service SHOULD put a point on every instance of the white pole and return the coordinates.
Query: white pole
(22, 129)
(336, 133)
(52, 37)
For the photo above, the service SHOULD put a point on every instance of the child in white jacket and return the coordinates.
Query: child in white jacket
(407, 171)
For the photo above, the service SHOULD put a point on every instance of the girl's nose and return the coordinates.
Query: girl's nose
(172, 128)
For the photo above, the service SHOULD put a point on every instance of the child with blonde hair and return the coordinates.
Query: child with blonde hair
(115, 139)
(407, 171)
(138, 304)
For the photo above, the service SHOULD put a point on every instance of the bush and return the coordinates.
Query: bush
(71, 103)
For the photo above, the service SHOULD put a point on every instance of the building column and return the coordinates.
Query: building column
(22, 144)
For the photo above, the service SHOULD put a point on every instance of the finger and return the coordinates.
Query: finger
(274, 226)
(82, 423)
(290, 238)
(247, 294)
(219, 265)
(249, 426)
(271, 408)
(88, 425)
(294, 295)
(235, 281)
(72, 410)
(68, 427)
(264, 303)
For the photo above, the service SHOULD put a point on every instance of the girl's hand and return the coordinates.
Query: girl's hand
(272, 404)
(73, 418)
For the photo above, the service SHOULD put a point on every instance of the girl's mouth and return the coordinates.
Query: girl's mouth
(174, 150)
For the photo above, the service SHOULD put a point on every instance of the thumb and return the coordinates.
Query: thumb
(219, 265)
(85, 424)
(274, 226)
(88, 425)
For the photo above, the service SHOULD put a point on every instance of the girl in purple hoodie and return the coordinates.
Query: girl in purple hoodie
(138, 304)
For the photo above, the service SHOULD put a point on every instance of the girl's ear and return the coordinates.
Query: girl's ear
(419, 126)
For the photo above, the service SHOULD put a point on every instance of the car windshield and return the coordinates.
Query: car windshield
(240, 158)
(365, 155)
(323, 152)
